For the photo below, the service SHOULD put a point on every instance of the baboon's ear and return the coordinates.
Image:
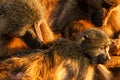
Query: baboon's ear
(84, 37)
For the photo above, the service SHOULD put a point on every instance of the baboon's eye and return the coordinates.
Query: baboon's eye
(85, 36)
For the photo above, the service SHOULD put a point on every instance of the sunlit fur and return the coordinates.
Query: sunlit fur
(65, 60)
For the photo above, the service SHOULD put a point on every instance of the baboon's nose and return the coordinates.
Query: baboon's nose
(102, 59)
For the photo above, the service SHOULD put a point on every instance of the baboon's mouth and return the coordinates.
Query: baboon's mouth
(99, 60)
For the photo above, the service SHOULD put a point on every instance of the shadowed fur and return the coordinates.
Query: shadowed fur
(72, 16)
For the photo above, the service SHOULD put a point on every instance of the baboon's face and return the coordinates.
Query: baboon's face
(99, 55)
(95, 45)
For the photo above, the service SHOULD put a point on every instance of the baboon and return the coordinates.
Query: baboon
(72, 16)
(69, 11)
(65, 60)
(19, 24)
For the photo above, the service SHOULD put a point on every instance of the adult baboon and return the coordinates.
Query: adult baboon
(72, 16)
(19, 25)
(65, 60)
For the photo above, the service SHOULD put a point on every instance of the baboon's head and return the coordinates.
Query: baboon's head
(17, 19)
(95, 45)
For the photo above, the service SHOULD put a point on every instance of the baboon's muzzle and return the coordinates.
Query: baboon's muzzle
(102, 58)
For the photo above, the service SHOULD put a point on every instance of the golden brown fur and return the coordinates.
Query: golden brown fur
(20, 23)
(70, 18)
(49, 6)
(65, 60)
(14, 45)
(16, 18)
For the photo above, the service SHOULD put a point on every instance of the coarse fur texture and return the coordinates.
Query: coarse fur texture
(65, 60)
(20, 21)
(15, 15)
(71, 17)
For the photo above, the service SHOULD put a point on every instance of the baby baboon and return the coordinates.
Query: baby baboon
(20, 19)
(65, 60)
